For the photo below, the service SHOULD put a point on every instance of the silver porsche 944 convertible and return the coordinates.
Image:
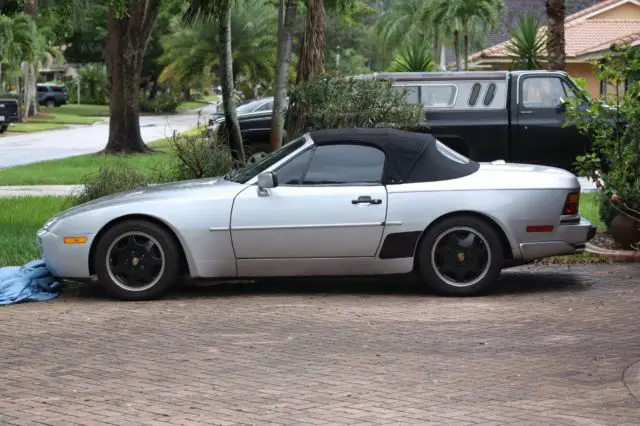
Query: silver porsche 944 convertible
(336, 202)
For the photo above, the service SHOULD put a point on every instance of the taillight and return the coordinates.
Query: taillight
(571, 204)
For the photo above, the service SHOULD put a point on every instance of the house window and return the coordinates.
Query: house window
(603, 87)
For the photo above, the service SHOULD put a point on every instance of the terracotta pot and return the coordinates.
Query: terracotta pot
(625, 230)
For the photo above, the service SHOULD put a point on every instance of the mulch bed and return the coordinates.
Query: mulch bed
(605, 240)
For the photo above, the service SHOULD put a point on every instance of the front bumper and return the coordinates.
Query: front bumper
(64, 260)
(567, 239)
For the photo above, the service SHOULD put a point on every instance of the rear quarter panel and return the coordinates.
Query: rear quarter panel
(512, 201)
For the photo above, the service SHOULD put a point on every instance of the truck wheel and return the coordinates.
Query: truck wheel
(3, 128)
(50, 103)
(461, 255)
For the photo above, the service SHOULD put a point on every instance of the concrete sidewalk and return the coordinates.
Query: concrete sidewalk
(65, 190)
(39, 190)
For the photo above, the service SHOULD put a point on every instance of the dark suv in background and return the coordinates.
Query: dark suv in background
(52, 95)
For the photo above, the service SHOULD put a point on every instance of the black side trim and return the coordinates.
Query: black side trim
(399, 245)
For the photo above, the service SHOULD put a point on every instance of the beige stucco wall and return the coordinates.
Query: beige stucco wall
(587, 72)
(624, 11)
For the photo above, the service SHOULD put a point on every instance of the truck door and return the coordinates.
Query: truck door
(540, 137)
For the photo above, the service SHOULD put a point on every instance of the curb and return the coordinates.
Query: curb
(617, 255)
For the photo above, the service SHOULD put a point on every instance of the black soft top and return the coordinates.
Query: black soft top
(410, 157)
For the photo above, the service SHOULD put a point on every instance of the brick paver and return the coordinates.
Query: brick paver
(550, 346)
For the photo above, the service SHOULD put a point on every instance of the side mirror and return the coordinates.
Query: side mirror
(266, 180)
(562, 105)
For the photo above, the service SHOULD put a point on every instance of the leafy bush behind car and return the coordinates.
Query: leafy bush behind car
(614, 126)
(333, 101)
(192, 157)
(163, 102)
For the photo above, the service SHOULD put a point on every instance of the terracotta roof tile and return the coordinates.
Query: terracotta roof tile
(582, 36)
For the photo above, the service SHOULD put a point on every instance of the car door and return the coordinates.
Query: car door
(329, 203)
(540, 137)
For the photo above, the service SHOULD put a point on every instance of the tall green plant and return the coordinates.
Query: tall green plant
(342, 102)
(527, 45)
(614, 125)
(415, 55)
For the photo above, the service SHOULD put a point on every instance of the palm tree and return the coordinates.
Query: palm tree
(219, 13)
(191, 54)
(311, 61)
(467, 18)
(556, 11)
(410, 19)
(415, 55)
(6, 42)
(526, 46)
(286, 22)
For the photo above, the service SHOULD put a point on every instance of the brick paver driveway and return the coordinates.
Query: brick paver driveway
(548, 347)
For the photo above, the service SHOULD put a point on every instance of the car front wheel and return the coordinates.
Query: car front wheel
(137, 260)
(460, 256)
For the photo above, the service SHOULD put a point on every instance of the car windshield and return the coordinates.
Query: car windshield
(249, 106)
(247, 173)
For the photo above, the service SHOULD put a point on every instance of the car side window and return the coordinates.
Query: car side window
(542, 92)
(265, 107)
(291, 172)
(345, 164)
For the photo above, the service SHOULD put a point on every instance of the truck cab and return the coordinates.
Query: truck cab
(487, 115)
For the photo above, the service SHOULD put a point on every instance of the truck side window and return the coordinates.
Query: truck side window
(439, 95)
(542, 92)
(475, 91)
(488, 97)
(412, 93)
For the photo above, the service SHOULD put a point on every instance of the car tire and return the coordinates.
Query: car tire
(50, 103)
(3, 128)
(460, 256)
(123, 253)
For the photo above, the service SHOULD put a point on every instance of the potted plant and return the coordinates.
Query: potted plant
(613, 124)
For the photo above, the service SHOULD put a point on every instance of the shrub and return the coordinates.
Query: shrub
(163, 102)
(93, 85)
(334, 101)
(113, 177)
(614, 126)
(195, 157)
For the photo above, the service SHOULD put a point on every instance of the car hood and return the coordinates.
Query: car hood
(211, 187)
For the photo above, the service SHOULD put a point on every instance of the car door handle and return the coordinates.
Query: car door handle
(365, 199)
(526, 112)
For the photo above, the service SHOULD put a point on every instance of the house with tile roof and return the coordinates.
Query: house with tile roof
(589, 34)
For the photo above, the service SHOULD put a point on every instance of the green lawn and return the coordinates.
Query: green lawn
(81, 110)
(31, 127)
(72, 170)
(20, 219)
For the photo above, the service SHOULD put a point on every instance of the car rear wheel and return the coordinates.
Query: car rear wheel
(137, 260)
(460, 256)
(50, 103)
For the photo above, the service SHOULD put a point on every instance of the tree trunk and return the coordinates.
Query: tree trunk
(456, 48)
(127, 38)
(31, 8)
(286, 23)
(555, 40)
(312, 47)
(466, 51)
(226, 81)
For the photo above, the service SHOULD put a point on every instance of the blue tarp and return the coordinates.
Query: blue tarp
(30, 282)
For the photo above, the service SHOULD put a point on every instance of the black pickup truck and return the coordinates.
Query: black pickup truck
(516, 116)
(9, 113)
